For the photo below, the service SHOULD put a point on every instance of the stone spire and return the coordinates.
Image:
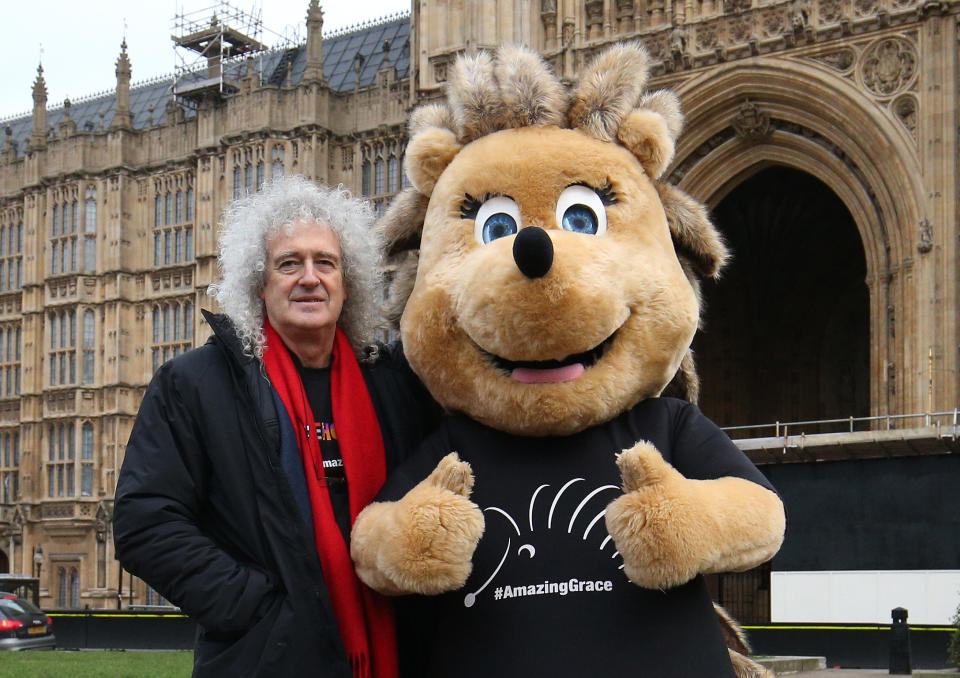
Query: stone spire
(314, 68)
(67, 126)
(9, 152)
(121, 118)
(39, 136)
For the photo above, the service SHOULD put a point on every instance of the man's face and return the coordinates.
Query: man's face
(303, 289)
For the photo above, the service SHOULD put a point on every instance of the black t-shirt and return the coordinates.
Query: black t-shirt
(547, 594)
(316, 382)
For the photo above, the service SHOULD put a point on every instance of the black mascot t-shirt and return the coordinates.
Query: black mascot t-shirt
(547, 595)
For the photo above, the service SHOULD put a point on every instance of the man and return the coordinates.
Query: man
(251, 455)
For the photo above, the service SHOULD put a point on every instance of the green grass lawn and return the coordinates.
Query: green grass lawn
(96, 664)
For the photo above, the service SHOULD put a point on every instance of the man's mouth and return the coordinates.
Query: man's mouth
(552, 371)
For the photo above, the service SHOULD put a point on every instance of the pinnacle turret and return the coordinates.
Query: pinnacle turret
(314, 67)
(122, 119)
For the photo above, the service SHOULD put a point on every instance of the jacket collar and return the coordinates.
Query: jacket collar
(226, 335)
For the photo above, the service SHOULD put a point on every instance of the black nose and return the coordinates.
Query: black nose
(533, 252)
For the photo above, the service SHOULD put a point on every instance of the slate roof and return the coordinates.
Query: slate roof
(341, 51)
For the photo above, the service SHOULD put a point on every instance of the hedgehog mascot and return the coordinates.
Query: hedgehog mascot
(560, 520)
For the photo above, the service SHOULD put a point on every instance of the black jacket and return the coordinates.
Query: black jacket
(210, 507)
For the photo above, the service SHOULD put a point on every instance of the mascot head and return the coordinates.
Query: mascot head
(556, 281)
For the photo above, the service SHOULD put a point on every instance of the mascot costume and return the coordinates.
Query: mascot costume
(562, 517)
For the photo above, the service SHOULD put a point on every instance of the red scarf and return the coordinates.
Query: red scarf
(364, 617)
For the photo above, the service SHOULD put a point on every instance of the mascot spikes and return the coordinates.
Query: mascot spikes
(547, 288)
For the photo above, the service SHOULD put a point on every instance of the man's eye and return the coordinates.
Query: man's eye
(288, 265)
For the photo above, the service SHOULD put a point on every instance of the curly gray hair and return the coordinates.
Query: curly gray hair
(248, 223)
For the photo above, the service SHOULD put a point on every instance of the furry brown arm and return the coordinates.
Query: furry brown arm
(669, 528)
(424, 542)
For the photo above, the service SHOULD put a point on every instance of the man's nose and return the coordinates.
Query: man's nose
(309, 277)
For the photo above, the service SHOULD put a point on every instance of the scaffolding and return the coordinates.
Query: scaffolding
(206, 41)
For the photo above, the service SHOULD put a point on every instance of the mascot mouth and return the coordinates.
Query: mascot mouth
(551, 371)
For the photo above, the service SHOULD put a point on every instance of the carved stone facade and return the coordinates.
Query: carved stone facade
(108, 212)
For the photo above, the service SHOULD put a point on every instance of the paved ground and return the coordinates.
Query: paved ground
(846, 673)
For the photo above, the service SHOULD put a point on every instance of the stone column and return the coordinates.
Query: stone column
(594, 9)
(548, 15)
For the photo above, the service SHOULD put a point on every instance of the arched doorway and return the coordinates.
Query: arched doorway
(786, 330)
(4, 562)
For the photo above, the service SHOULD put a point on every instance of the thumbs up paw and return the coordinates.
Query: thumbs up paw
(652, 523)
(424, 542)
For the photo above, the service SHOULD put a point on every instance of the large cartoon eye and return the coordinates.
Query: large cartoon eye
(497, 217)
(580, 209)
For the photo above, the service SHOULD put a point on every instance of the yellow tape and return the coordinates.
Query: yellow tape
(939, 629)
(116, 616)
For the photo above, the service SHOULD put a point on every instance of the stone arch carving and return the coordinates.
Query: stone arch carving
(809, 118)
(826, 125)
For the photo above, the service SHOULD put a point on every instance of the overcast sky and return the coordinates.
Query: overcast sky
(80, 41)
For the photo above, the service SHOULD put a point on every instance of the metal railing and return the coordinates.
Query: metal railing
(845, 425)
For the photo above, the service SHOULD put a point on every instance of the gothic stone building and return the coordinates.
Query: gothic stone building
(822, 133)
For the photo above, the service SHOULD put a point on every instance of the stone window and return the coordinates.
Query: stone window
(61, 460)
(62, 326)
(172, 330)
(154, 598)
(277, 156)
(365, 184)
(68, 589)
(61, 456)
(86, 460)
(89, 230)
(378, 187)
(9, 466)
(380, 172)
(63, 234)
(393, 174)
(237, 183)
(173, 222)
(9, 360)
(89, 344)
(11, 251)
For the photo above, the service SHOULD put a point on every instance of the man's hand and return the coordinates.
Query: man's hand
(424, 542)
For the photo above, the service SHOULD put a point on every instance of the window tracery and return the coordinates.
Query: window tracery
(61, 460)
(10, 343)
(172, 324)
(9, 466)
(61, 356)
(173, 211)
(380, 170)
(11, 250)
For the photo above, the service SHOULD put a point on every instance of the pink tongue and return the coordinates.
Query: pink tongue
(525, 375)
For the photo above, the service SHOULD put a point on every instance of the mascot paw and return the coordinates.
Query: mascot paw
(424, 542)
(652, 524)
